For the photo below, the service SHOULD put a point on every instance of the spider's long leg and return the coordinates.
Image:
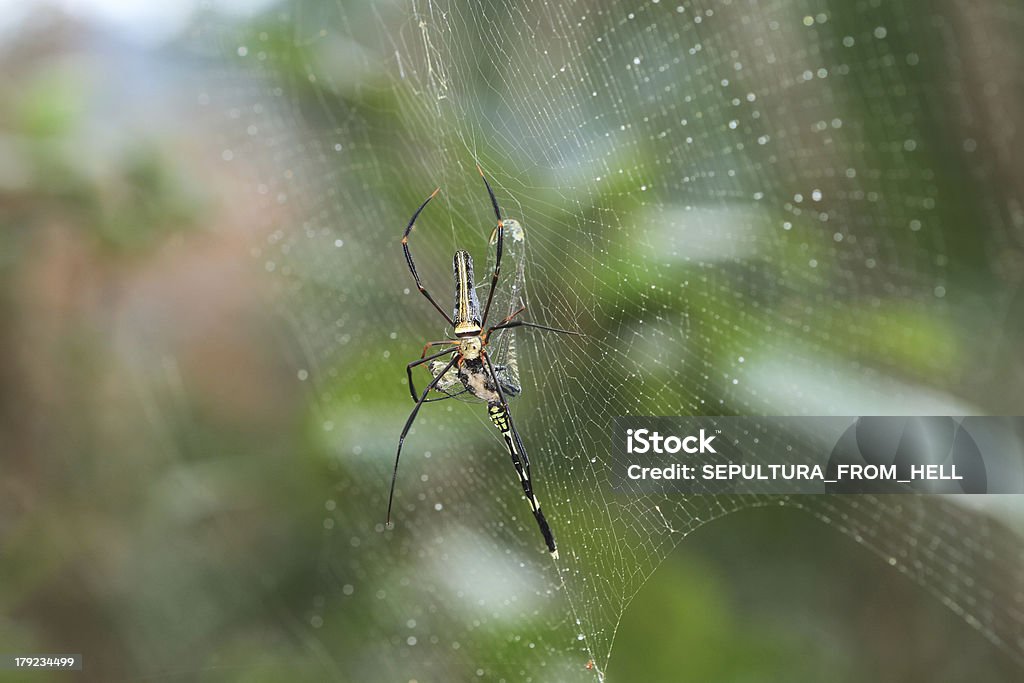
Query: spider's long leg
(412, 265)
(421, 361)
(521, 323)
(408, 425)
(447, 396)
(501, 416)
(508, 317)
(498, 249)
(494, 202)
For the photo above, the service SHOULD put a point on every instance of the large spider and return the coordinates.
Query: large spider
(469, 356)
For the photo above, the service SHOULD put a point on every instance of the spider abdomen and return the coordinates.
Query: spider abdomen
(467, 306)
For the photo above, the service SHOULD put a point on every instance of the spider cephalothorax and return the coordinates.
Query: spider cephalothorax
(470, 347)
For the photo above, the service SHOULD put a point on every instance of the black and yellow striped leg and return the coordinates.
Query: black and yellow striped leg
(502, 419)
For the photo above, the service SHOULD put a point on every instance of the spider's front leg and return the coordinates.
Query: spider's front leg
(498, 248)
(412, 264)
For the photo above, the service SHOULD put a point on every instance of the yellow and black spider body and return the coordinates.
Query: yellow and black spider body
(468, 358)
(467, 305)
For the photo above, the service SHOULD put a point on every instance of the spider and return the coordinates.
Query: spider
(469, 356)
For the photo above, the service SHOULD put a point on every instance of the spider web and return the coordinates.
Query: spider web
(782, 207)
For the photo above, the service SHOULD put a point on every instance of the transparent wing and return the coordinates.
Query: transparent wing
(509, 297)
(450, 384)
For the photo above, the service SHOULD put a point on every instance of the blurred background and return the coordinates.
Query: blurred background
(785, 207)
